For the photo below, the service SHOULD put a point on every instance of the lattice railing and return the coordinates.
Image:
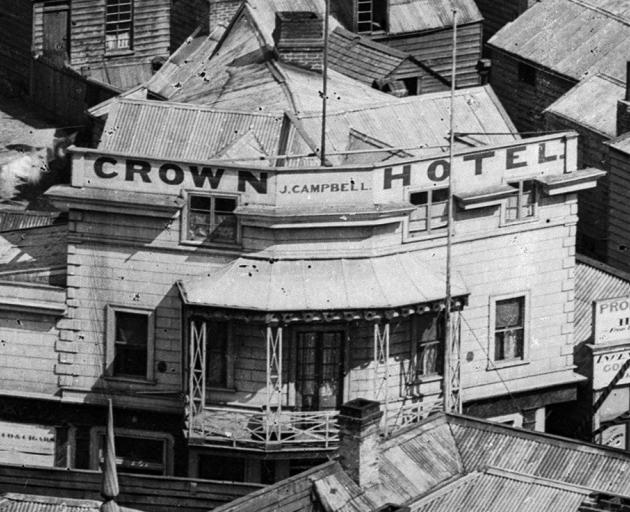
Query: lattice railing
(411, 413)
(266, 431)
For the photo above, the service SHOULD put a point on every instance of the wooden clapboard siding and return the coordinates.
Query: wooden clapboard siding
(151, 32)
(149, 493)
(593, 203)
(27, 353)
(16, 18)
(497, 13)
(435, 50)
(618, 243)
(525, 103)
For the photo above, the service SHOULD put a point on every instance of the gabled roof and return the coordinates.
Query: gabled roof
(420, 15)
(574, 38)
(592, 103)
(175, 131)
(450, 462)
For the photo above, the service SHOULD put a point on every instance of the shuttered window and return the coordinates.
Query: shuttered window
(118, 25)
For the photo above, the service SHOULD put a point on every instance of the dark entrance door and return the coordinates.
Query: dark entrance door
(319, 375)
(56, 32)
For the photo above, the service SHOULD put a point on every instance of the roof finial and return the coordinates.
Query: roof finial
(109, 487)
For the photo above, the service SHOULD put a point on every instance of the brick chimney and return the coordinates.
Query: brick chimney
(623, 107)
(299, 39)
(222, 12)
(359, 439)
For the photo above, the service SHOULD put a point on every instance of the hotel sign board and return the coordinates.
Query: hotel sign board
(475, 168)
(611, 320)
(22, 443)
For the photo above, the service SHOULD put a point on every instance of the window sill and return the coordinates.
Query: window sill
(118, 53)
(426, 379)
(528, 220)
(494, 365)
(130, 380)
(211, 245)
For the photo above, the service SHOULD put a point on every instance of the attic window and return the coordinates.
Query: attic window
(527, 74)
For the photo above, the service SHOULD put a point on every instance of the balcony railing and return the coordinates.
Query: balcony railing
(265, 431)
(289, 430)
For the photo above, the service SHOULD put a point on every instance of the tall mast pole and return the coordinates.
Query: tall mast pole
(452, 397)
(322, 153)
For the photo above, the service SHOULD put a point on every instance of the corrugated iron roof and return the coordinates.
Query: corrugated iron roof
(419, 15)
(502, 491)
(593, 281)
(420, 122)
(173, 131)
(571, 37)
(303, 285)
(14, 502)
(482, 445)
(592, 103)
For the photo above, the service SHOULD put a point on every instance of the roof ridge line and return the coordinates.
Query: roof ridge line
(603, 11)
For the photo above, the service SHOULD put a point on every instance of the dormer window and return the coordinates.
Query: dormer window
(371, 16)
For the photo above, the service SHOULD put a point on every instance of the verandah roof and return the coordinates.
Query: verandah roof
(269, 285)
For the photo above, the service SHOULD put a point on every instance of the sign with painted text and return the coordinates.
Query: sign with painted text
(473, 169)
(607, 365)
(614, 437)
(22, 443)
(611, 320)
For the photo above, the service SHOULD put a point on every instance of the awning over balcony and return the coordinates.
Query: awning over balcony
(268, 285)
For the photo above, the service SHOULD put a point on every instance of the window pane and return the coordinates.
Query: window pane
(440, 195)
(419, 198)
(429, 358)
(131, 328)
(225, 230)
(509, 313)
(216, 354)
(508, 344)
(200, 203)
(224, 204)
(130, 360)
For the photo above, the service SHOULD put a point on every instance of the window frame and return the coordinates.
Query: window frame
(414, 377)
(110, 349)
(519, 194)
(429, 231)
(494, 363)
(97, 433)
(185, 216)
(118, 51)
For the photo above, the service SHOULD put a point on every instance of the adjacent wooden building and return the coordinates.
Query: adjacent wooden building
(424, 30)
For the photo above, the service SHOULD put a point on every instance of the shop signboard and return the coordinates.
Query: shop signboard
(607, 365)
(475, 168)
(22, 443)
(611, 320)
(615, 437)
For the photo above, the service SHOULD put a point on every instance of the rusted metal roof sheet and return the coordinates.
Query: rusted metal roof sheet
(320, 285)
(594, 281)
(500, 490)
(420, 15)
(172, 131)
(571, 37)
(592, 103)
